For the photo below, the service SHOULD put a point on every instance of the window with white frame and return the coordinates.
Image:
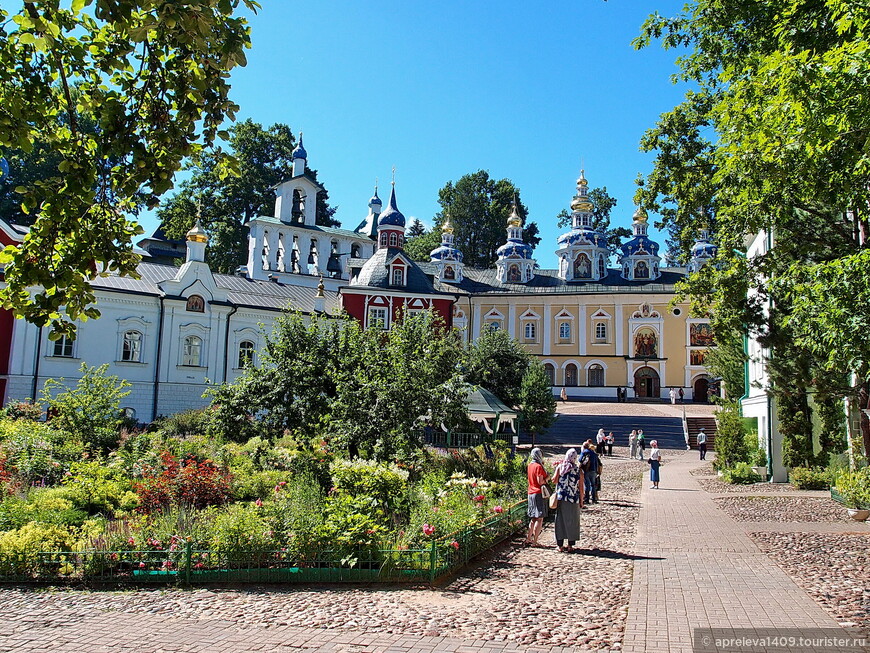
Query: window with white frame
(398, 276)
(131, 349)
(596, 375)
(530, 331)
(63, 347)
(601, 331)
(551, 373)
(191, 355)
(394, 240)
(246, 353)
(564, 330)
(377, 317)
(493, 326)
(571, 374)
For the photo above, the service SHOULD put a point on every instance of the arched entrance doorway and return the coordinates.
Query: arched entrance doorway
(646, 383)
(701, 390)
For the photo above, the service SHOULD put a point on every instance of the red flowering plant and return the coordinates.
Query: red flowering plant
(187, 482)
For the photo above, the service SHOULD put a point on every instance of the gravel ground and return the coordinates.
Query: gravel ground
(833, 569)
(511, 594)
(783, 509)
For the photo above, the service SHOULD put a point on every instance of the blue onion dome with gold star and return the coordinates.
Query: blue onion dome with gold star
(515, 247)
(640, 243)
(299, 151)
(446, 251)
(703, 251)
(392, 217)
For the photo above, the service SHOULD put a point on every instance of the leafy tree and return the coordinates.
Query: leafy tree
(91, 409)
(418, 247)
(497, 362)
(772, 137)
(226, 203)
(153, 78)
(731, 445)
(287, 390)
(389, 384)
(479, 207)
(537, 402)
(602, 206)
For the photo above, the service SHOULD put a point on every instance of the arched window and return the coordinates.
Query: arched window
(530, 331)
(493, 326)
(398, 276)
(132, 347)
(354, 251)
(246, 353)
(571, 374)
(383, 239)
(564, 331)
(601, 331)
(297, 212)
(191, 356)
(513, 274)
(196, 304)
(393, 239)
(601, 269)
(551, 373)
(449, 273)
(596, 375)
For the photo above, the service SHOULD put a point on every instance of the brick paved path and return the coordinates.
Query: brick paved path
(703, 570)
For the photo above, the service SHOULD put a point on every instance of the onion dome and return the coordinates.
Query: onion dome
(392, 217)
(514, 219)
(299, 151)
(703, 251)
(641, 243)
(375, 200)
(446, 251)
(197, 234)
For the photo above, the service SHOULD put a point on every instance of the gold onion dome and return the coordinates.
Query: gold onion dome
(514, 220)
(581, 180)
(640, 215)
(447, 228)
(581, 204)
(197, 234)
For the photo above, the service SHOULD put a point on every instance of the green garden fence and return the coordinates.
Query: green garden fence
(191, 566)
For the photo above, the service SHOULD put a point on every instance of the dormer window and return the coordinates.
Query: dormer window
(398, 276)
(196, 304)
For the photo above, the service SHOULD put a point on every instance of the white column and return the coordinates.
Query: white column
(273, 249)
(324, 247)
(512, 319)
(620, 331)
(475, 331)
(548, 328)
(583, 330)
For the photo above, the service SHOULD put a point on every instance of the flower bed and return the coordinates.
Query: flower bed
(189, 565)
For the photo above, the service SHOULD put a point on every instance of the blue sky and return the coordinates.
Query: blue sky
(524, 90)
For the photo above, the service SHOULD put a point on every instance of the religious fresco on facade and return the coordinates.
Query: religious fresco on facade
(582, 267)
(697, 356)
(701, 335)
(645, 344)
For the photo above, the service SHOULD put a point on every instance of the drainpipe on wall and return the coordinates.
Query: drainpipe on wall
(36, 364)
(157, 363)
(227, 341)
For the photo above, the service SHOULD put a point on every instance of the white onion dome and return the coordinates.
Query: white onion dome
(392, 217)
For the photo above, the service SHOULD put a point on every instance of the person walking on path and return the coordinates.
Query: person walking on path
(632, 444)
(673, 395)
(600, 440)
(610, 440)
(537, 508)
(655, 462)
(641, 445)
(589, 463)
(702, 444)
(564, 394)
(682, 395)
(567, 480)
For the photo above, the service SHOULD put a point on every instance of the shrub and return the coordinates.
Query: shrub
(384, 484)
(806, 478)
(35, 452)
(257, 485)
(240, 533)
(740, 474)
(96, 488)
(19, 547)
(186, 424)
(855, 488)
(730, 437)
(26, 410)
(186, 483)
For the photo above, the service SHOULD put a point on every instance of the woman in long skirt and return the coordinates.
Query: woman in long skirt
(655, 462)
(567, 480)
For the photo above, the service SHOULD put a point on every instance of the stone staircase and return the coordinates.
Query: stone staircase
(695, 424)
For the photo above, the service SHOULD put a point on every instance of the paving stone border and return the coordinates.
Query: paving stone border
(784, 509)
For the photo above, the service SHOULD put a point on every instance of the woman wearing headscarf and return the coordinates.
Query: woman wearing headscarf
(567, 479)
(655, 462)
(632, 444)
(537, 509)
(600, 442)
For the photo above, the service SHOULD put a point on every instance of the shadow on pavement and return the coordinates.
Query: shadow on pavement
(614, 555)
